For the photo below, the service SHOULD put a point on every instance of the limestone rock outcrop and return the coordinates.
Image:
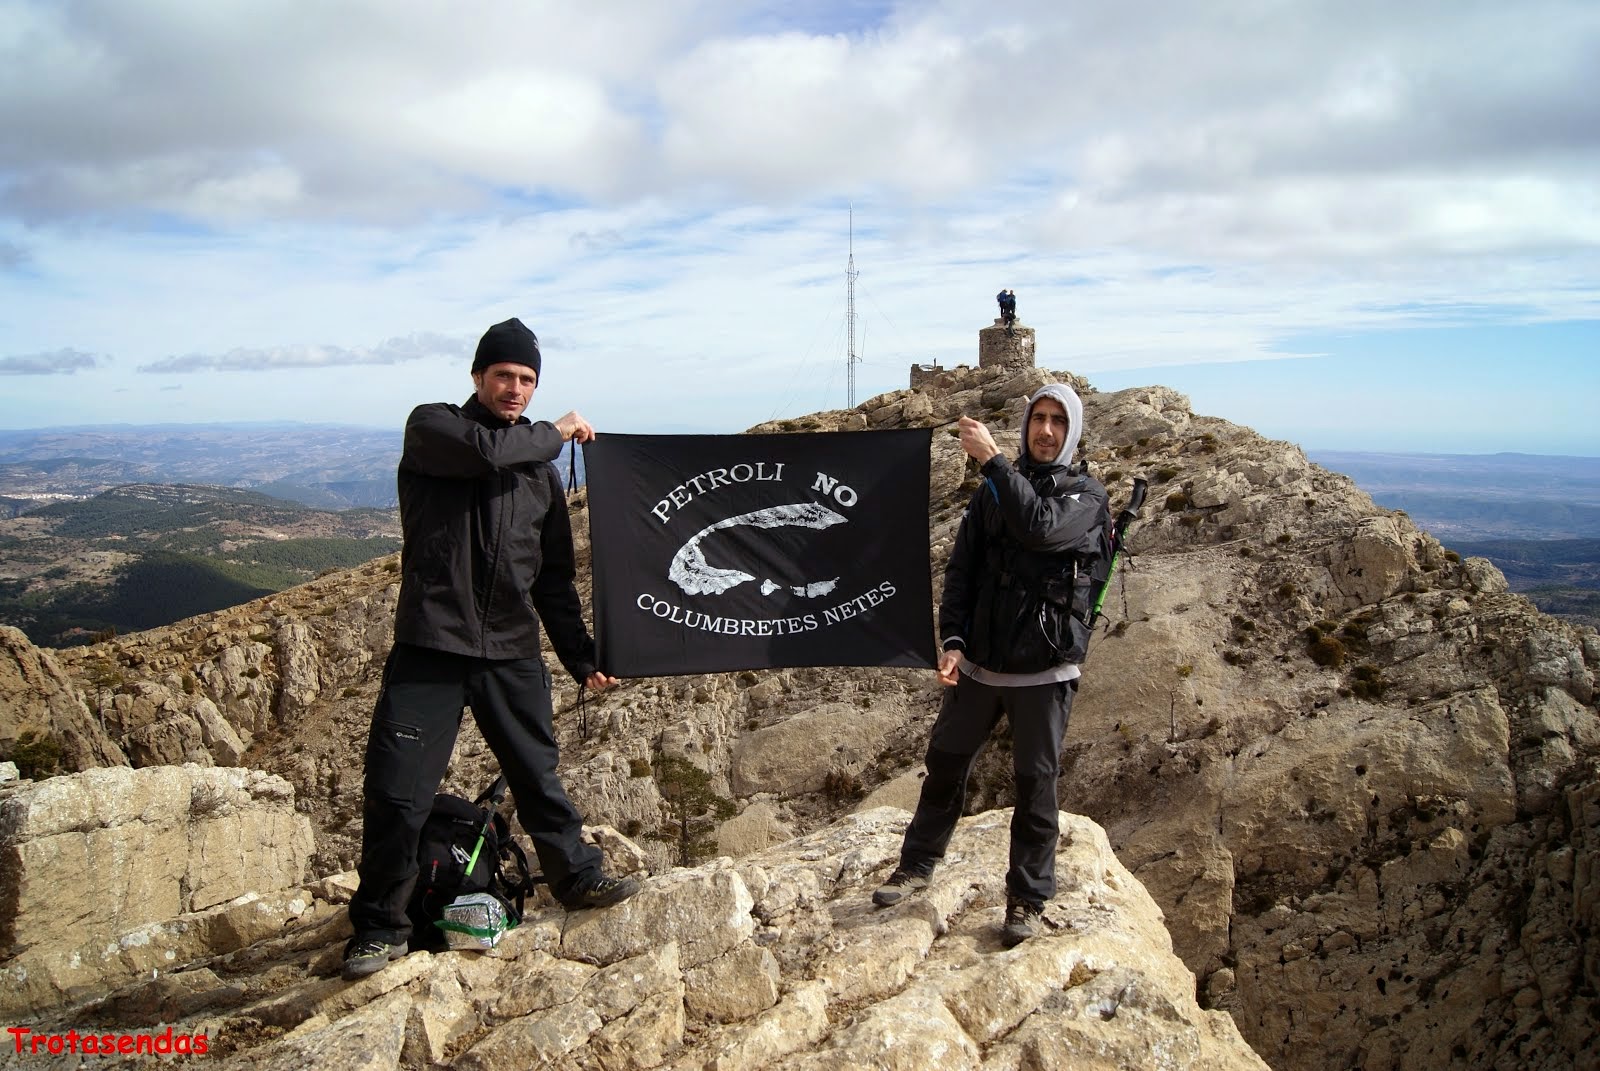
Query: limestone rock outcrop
(205, 689)
(776, 961)
(92, 865)
(38, 698)
(787, 758)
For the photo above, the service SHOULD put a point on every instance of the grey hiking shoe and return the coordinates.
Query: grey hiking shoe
(1022, 921)
(364, 957)
(901, 884)
(601, 892)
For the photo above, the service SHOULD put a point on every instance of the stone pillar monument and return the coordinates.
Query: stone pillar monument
(999, 348)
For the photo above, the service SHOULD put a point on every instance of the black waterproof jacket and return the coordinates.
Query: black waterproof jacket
(1026, 545)
(488, 543)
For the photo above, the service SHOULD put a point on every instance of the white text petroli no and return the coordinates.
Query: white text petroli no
(760, 472)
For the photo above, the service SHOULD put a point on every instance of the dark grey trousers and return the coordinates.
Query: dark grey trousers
(408, 749)
(1038, 715)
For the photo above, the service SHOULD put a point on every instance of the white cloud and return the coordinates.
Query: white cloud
(660, 190)
(787, 115)
(394, 351)
(61, 362)
(410, 109)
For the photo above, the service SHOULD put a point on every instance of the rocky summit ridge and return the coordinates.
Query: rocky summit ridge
(1354, 778)
(774, 960)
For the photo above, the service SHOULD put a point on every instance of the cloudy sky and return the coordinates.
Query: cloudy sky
(1351, 224)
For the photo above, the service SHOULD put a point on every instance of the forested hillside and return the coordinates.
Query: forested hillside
(144, 555)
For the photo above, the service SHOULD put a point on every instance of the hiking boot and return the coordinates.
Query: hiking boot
(901, 884)
(601, 892)
(364, 957)
(1022, 921)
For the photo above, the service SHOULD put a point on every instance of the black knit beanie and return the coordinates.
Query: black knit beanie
(507, 343)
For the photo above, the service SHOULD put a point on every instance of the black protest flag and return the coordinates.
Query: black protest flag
(725, 552)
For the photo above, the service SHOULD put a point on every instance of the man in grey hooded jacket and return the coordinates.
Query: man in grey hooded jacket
(1013, 624)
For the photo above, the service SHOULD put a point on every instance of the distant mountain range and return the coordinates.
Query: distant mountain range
(1481, 497)
(319, 465)
(143, 555)
(324, 466)
(1536, 516)
(111, 529)
(1467, 497)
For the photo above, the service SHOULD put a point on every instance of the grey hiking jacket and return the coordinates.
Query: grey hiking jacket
(1027, 543)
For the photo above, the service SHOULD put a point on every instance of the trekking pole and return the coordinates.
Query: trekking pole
(1119, 532)
(494, 794)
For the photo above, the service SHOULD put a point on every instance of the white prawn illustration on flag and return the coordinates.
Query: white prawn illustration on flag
(723, 552)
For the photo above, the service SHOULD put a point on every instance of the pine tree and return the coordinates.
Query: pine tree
(693, 808)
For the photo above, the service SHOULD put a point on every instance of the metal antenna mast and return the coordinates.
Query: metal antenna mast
(850, 273)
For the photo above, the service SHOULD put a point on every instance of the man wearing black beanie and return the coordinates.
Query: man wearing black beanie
(487, 560)
(509, 342)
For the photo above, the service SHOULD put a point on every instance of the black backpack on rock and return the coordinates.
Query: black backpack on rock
(457, 835)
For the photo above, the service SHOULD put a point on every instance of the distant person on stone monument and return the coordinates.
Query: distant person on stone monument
(486, 566)
(1014, 626)
(1008, 308)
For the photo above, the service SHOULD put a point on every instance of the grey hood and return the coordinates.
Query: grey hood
(1073, 405)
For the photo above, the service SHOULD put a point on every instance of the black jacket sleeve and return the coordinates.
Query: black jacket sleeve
(555, 593)
(1052, 524)
(961, 577)
(441, 441)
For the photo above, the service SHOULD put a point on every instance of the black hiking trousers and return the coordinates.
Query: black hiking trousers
(408, 749)
(1038, 715)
